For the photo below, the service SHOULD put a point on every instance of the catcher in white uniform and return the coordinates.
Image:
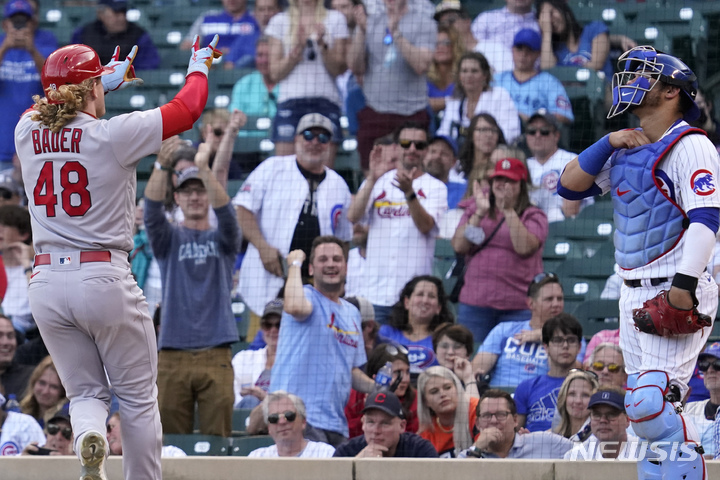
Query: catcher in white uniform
(662, 178)
(79, 175)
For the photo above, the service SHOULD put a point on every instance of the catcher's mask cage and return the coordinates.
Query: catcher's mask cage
(638, 66)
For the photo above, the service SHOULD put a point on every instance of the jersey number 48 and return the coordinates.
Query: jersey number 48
(44, 192)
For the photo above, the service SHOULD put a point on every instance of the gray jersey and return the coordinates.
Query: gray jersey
(80, 183)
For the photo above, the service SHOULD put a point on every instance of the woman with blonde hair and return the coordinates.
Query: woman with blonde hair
(445, 411)
(308, 44)
(572, 418)
(440, 76)
(45, 394)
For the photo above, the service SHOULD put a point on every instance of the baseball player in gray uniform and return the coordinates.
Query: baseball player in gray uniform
(79, 175)
(662, 178)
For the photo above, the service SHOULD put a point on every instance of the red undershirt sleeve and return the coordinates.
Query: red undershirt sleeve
(182, 112)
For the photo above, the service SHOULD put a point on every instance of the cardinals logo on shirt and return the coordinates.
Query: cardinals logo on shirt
(702, 182)
(390, 209)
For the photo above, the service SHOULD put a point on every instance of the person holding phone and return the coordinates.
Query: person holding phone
(58, 437)
(23, 49)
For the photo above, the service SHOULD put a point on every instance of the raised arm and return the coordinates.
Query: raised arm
(280, 64)
(217, 195)
(223, 156)
(296, 303)
(357, 53)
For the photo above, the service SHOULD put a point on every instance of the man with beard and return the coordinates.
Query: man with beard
(321, 346)
(284, 204)
(403, 208)
(197, 325)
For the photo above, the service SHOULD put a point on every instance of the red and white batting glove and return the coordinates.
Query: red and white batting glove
(202, 58)
(124, 74)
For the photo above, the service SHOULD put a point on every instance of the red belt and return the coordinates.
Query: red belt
(85, 257)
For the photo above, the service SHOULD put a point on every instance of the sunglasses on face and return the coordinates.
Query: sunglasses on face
(288, 415)
(270, 325)
(612, 367)
(542, 131)
(322, 137)
(53, 429)
(705, 365)
(419, 145)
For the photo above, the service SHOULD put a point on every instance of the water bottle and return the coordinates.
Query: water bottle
(383, 378)
(12, 404)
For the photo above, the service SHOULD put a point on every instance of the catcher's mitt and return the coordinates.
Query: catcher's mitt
(658, 317)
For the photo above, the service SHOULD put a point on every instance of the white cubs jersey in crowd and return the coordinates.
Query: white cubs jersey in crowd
(19, 431)
(80, 182)
(688, 174)
(545, 178)
(311, 450)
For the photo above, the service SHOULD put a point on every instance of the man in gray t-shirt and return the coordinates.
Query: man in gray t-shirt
(392, 50)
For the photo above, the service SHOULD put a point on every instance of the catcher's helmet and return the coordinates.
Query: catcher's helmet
(71, 65)
(639, 65)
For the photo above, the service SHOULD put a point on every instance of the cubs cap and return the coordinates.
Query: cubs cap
(548, 117)
(273, 307)
(15, 7)
(190, 173)
(447, 6)
(449, 141)
(529, 38)
(511, 168)
(711, 351)
(116, 5)
(314, 120)
(385, 401)
(607, 397)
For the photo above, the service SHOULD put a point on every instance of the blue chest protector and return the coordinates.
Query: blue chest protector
(648, 221)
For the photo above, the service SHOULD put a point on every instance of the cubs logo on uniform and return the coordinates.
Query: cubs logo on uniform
(702, 182)
(335, 215)
(549, 181)
(9, 449)
(665, 184)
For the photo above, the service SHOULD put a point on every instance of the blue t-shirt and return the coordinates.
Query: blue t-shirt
(516, 363)
(541, 91)
(435, 92)
(537, 400)
(584, 51)
(239, 36)
(420, 353)
(315, 358)
(455, 191)
(19, 81)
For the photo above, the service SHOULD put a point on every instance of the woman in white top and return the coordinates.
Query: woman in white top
(474, 95)
(308, 45)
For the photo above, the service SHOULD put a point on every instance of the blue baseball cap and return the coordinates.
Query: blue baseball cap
(451, 143)
(607, 397)
(529, 38)
(712, 350)
(18, 6)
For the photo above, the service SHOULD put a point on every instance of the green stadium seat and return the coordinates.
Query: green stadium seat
(586, 12)
(580, 289)
(182, 17)
(593, 314)
(239, 421)
(242, 446)
(199, 445)
(174, 58)
(600, 210)
(444, 262)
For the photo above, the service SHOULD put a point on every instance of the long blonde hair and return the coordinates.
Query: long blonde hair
(293, 13)
(457, 50)
(73, 98)
(29, 404)
(564, 427)
(462, 436)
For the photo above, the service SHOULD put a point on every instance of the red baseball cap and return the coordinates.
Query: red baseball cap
(511, 168)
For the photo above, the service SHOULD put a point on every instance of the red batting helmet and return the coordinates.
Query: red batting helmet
(71, 65)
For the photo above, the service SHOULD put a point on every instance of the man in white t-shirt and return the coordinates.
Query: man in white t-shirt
(285, 417)
(546, 165)
(402, 208)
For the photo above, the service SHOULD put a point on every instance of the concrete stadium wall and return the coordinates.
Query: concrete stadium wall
(221, 468)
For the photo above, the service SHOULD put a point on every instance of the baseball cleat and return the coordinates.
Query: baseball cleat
(93, 448)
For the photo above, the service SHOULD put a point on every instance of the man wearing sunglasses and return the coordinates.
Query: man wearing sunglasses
(662, 178)
(403, 208)
(702, 414)
(608, 423)
(285, 417)
(58, 437)
(545, 166)
(284, 204)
